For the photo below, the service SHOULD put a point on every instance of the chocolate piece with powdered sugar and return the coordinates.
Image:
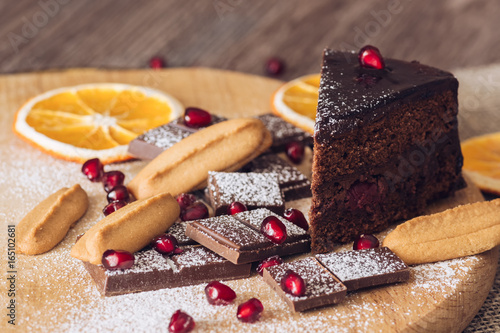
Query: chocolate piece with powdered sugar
(366, 268)
(254, 190)
(322, 287)
(238, 238)
(293, 183)
(153, 271)
(283, 132)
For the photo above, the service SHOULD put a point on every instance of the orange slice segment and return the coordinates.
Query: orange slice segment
(93, 120)
(296, 101)
(482, 161)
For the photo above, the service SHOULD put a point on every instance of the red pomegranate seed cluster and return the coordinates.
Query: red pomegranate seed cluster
(117, 194)
(365, 241)
(191, 208)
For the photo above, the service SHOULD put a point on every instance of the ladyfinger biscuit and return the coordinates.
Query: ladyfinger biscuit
(47, 224)
(458, 232)
(226, 146)
(130, 228)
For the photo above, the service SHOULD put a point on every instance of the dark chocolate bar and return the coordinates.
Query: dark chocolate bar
(238, 239)
(251, 189)
(293, 183)
(283, 132)
(322, 287)
(153, 271)
(152, 143)
(366, 268)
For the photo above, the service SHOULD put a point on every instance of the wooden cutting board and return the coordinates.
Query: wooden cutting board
(55, 294)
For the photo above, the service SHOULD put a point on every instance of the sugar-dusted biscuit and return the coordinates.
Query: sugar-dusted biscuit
(47, 224)
(458, 232)
(130, 228)
(226, 146)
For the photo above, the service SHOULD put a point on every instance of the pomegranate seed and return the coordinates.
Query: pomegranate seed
(185, 200)
(293, 284)
(93, 169)
(117, 259)
(181, 322)
(271, 261)
(196, 211)
(274, 66)
(295, 151)
(273, 229)
(365, 242)
(157, 63)
(111, 179)
(119, 193)
(250, 311)
(113, 207)
(196, 118)
(219, 293)
(370, 57)
(164, 244)
(236, 207)
(296, 217)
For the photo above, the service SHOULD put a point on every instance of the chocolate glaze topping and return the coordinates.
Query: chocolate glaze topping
(351, 96)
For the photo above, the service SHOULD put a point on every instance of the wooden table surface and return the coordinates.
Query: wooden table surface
(241, 35)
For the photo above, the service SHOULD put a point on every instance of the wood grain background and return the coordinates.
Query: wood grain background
(240, 35)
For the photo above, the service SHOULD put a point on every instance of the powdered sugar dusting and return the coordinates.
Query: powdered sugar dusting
(196, 256)
(351, 265)
(251, 189)
(164, 136)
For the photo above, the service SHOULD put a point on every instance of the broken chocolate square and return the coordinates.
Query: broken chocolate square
(283, 132)
(293, 183)
(366, 268)
(254, 190)
(322, 287)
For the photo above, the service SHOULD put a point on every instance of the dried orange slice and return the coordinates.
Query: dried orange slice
(296, 101)
(482, 161)
(93, 120)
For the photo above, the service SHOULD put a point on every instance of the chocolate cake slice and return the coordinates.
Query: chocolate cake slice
(386, 143)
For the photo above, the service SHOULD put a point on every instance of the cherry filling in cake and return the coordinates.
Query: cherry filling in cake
(384, 146)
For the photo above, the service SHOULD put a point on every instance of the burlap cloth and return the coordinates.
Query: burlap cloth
(479, 113)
